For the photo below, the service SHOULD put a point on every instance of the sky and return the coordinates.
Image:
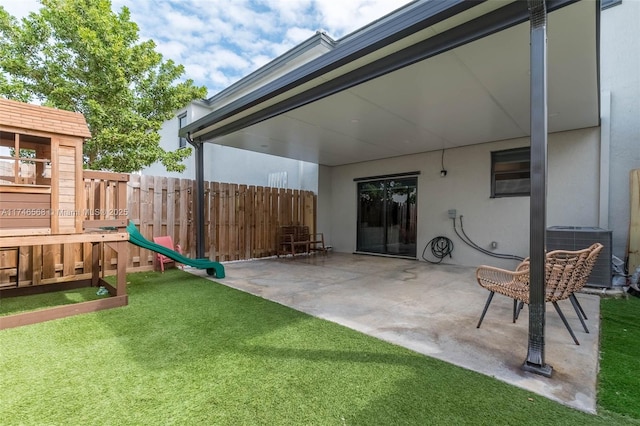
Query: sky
(220, 41)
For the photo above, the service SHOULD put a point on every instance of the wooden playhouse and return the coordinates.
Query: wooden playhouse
(55, 217)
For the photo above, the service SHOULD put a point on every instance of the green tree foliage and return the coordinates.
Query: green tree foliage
(79, 55)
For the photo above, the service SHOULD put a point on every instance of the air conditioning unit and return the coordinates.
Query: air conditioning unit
(580, 237)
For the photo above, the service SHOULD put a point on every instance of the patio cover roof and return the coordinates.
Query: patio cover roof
(430, 76)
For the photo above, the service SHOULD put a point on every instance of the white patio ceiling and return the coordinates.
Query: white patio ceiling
(475, 93)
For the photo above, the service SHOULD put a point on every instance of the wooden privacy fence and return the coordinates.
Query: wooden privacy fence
(241, 222)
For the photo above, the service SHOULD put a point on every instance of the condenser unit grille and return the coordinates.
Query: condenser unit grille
(580, 237)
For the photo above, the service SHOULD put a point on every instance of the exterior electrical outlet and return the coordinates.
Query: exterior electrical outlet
(452, 214)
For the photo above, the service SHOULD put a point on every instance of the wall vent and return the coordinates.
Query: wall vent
(580, 237)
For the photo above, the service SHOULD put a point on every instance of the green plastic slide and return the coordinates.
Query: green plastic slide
(213, 268)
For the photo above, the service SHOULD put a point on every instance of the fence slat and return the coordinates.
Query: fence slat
(184, 214)
(215, 206)
(171, 209)
(233, 222)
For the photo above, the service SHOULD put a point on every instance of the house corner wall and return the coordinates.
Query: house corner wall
(619, 65)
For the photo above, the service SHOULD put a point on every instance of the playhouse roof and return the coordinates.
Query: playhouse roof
(35, 117)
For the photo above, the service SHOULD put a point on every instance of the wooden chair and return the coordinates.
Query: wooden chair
(166, 241)
(293, 239)
(316, 242)
(565, 273)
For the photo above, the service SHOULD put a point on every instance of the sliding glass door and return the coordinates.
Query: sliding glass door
(387, 216)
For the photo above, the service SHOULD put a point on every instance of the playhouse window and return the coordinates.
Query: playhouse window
(24, 159)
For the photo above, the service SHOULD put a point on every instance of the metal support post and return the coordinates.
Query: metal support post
(198, 197)
(535, 361)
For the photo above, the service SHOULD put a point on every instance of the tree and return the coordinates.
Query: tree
(79, 55)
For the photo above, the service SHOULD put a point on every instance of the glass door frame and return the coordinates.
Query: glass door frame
(382, 237)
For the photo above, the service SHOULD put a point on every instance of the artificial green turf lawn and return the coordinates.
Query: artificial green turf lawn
(619, 379)
(14, 305)
(188, 351)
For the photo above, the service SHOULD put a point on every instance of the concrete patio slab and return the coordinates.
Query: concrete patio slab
(433, 310)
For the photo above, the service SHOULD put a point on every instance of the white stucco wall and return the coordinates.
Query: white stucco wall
(573, 195)
(227, 164)
(620, 75)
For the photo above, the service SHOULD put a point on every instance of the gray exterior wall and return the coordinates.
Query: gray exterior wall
(620, 76)
(573, 195)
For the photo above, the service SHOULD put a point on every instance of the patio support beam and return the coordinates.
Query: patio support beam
(198, 197)
(535, 361)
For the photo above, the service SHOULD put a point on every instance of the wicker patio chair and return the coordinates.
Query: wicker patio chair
(565, 273)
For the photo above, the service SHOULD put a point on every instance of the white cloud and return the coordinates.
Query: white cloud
(227, 59)
(172, 49)
(345, 17)
(220, 79)
(197, 71)
(260, 60)
(289, 10)
(297, 35)
(20, 8)
(220, 41)
(177, 23)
